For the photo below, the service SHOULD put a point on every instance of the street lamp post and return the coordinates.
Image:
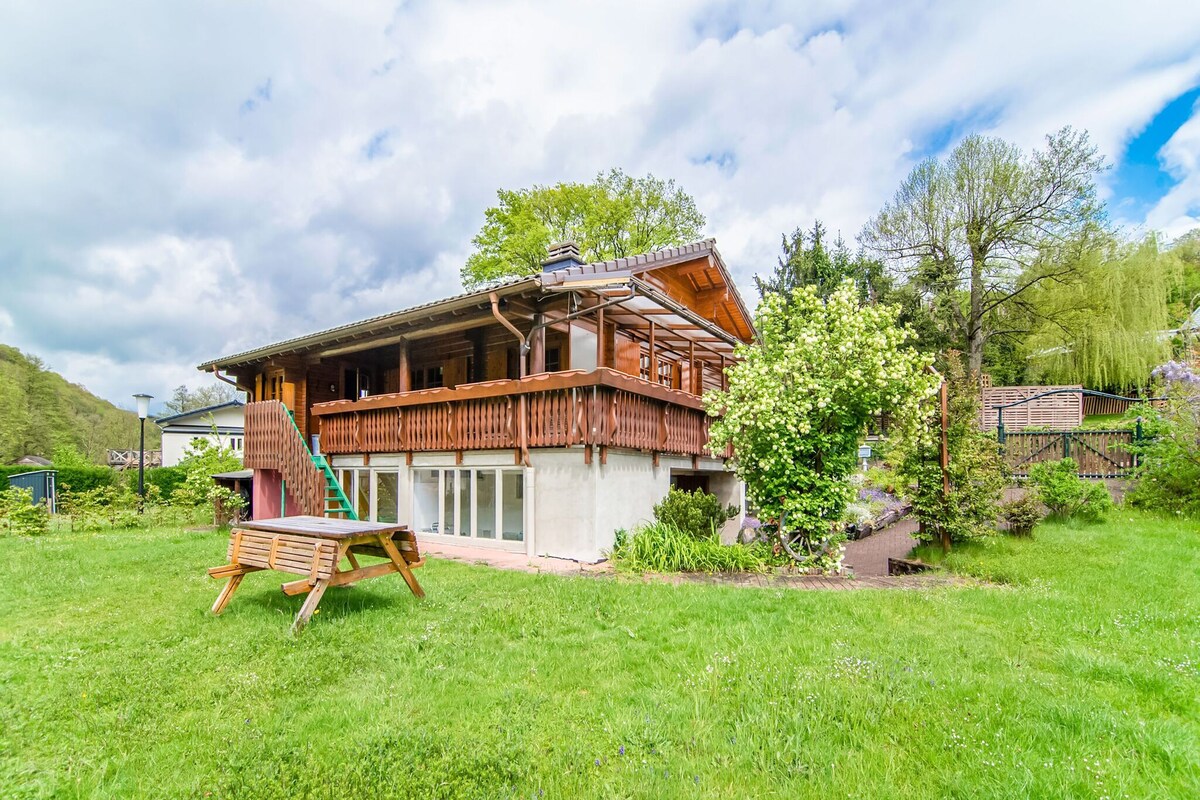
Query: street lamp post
(143, 410)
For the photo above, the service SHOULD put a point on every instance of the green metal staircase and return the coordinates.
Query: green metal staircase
(337, 504)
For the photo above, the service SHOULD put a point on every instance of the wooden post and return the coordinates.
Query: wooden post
(599, 338)
(402, 362)
(653, 356)
(537, 346)
(692, 367)
(945, 455)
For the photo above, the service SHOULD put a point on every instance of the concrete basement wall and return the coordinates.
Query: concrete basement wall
(576, 507)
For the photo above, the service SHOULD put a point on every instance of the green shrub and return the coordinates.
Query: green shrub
(1168, 471)
(19, 514)
(977, 473)
(1066, 495)
(1021, 514)
(167, 479)
(697, 513)
(662, 547)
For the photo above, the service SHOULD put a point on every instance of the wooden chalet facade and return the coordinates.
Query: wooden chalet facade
(539, 414)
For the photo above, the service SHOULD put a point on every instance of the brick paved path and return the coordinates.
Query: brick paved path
(868, 557)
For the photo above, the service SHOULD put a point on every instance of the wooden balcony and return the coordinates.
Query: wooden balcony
(601, 408)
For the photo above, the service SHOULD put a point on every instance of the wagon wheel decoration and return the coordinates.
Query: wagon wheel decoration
(798, 545)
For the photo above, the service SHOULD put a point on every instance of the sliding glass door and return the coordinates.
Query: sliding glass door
(482, 503)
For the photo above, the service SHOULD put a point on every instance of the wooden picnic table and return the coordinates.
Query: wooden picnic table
(314, 547)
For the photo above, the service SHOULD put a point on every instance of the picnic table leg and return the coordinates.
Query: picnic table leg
(401, 565)
(227, 593)
(310, 604)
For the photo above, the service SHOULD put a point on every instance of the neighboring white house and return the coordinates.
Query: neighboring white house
(223, 424)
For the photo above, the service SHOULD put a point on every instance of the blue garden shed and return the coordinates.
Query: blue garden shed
(41, 483)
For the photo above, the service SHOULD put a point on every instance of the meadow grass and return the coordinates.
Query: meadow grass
(1072, 669)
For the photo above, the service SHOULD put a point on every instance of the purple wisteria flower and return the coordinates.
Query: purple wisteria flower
(1176, 372)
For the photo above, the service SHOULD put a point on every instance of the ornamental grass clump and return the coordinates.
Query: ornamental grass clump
(662, 547)
(798, 403)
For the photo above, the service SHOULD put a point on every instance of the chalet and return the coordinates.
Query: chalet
(539, 415)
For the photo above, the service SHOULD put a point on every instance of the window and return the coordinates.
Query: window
(426, 490)
(433, 378)
(356, 483)
(479, 503)
(553, 359)
(387, 497)
(666, 372)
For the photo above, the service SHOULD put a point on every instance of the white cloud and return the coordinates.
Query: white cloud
(180, 183)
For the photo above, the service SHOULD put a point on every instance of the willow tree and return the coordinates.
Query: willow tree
(969, 231)
(1107, 325)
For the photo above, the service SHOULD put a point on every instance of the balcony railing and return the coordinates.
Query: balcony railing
(602, 408)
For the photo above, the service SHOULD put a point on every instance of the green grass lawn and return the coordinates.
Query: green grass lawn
(1074, 673)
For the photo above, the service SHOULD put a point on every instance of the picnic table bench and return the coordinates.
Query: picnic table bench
(314, 548)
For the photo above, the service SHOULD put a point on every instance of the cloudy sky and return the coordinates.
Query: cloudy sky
(183, 180)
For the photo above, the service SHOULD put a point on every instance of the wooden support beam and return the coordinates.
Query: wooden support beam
(653, 355)
(600, 337)
(402, 361)
(537, 346)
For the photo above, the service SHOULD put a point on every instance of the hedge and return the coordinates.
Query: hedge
(75, 479)
(165, 478)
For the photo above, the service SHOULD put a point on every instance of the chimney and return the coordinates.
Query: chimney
(562, 255)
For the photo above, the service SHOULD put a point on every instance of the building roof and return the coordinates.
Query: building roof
(561, 278)
(197, 412)
(377, 324)
(34, 461)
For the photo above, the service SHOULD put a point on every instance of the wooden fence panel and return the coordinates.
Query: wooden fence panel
(1099, 454)
(1057, 412)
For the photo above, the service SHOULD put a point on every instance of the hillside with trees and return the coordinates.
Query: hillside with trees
(40, 411)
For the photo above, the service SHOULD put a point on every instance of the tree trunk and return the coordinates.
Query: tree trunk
(975, 337)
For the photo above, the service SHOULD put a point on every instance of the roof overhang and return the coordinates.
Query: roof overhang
(367, 332)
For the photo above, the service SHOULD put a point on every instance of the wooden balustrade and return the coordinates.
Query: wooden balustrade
(602, 408)
(272, 442)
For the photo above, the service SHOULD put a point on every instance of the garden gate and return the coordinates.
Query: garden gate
(1099, 453)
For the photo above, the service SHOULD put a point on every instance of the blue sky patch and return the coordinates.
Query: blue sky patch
(724, 160)
(940, 138)
(377, 146)
(262, 94)
(1139, 180)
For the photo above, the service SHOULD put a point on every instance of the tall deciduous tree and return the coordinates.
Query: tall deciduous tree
(614, 216)
(969, 230)
(185, 399)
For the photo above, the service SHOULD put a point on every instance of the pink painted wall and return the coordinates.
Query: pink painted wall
(266, 496)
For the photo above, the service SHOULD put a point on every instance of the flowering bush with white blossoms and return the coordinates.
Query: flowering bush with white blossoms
(798, 402)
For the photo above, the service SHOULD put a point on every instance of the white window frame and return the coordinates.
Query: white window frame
(498, 539)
